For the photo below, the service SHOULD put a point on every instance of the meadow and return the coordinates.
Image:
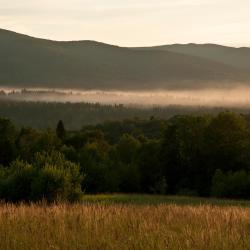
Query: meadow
(127, 222)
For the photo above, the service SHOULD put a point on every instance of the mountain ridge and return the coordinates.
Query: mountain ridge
(237, 57)
(27, 61)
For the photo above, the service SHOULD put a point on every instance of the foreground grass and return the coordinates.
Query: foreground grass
(123, 226)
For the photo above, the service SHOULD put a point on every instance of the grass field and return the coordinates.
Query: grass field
(127, 222)
(160, 199)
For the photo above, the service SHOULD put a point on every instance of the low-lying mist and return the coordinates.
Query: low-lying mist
(239, 96)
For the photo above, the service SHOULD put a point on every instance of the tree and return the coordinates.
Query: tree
(127, 148)
(227, 143)
(31, 141)
(182, 154)
(60, 130)
(93, 159)
(8, 135)
(148, 161)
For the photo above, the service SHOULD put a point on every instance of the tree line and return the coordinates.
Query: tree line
(199, 155)
(42, 115)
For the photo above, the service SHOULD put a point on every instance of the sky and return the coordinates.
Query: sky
(131, 22)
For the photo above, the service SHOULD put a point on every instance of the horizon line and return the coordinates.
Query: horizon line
(117, 45)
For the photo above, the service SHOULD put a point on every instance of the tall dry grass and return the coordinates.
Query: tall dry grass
(116, 226)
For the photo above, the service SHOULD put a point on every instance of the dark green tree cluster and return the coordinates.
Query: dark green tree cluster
(201, 155)
(48, 176)
(196, 149)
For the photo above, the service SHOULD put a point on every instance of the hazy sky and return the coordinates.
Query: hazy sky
(131, 22)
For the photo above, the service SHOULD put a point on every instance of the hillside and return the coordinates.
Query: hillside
(31, 62)
(236, 57)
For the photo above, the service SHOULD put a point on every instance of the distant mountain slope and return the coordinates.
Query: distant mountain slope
(237, 57)
(33, 62)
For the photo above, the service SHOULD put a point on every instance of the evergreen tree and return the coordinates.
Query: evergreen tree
(60, 130)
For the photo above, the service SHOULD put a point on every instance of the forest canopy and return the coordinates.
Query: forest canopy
(200, 155)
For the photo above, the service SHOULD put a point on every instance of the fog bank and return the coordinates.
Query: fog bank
(223, 97)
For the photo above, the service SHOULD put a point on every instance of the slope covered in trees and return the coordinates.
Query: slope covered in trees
(31, 62)
(236, 57)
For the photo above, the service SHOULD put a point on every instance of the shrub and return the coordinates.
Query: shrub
(231, 184)
(15, 184)
(49, 177)
(160, 186)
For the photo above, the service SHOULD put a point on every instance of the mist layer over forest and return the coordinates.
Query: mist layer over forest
(219, 97)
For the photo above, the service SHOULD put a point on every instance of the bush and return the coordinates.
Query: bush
(49, 177)
(231, 184)
(15, 183)
(160, 186)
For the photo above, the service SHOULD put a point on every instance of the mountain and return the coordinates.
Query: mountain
(32, 62)
(236, 57)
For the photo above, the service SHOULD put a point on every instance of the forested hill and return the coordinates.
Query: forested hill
(31, 62)
(236, 57)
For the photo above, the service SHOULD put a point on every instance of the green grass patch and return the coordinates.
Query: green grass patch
(160, 199)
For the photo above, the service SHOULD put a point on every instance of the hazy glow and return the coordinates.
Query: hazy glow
(130, 22)
(235, 97)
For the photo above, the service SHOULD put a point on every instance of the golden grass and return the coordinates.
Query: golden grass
(118, 226)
